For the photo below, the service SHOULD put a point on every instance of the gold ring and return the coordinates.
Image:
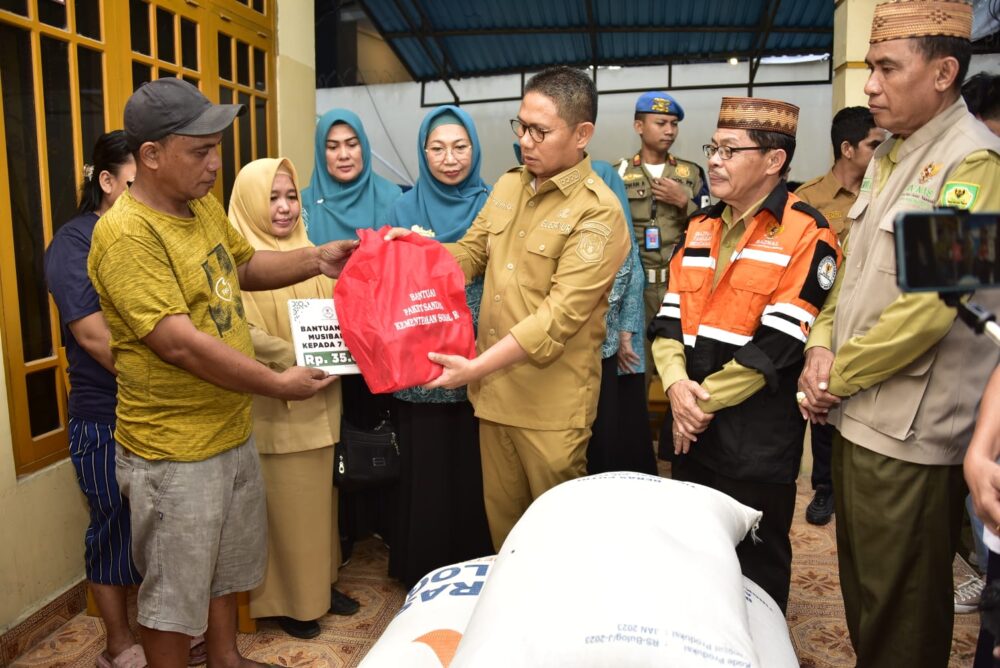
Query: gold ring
(800, 397)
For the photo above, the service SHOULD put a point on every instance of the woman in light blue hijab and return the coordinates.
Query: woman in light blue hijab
(441, 516)
(446, 208)
(345, 195)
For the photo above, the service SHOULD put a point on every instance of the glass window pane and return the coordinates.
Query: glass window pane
(189, 44)
(259, 70)
(261, 123)
(258, 6)
(140, 74)
(88, 18)
(246, 145)
(58, 129)
(16, 6)
(91, 101)
(165, 36)
(52, 12)
(43, 409)
(164, 73)
(228, 150)
(242, 63)
(192, 80)
(138, 16)
(25, 196)
(225, 57)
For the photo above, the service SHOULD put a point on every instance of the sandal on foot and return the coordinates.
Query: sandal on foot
(133, 657)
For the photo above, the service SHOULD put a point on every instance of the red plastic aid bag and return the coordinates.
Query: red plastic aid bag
(397, 301)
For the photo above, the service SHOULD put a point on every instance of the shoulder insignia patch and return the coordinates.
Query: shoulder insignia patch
(959, 195)
(826, 272)
(591, 246)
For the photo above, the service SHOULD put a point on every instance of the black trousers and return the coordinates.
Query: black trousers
(822, 451)
(620, 439)
(767, 562)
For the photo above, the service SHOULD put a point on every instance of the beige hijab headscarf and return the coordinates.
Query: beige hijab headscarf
(250, 213)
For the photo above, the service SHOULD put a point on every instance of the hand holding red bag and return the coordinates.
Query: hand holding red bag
(397, 301)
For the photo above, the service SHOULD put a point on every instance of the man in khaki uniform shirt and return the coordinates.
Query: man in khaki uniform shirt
(549, 241)
(855, 138)
(906, 375)
(663, 190)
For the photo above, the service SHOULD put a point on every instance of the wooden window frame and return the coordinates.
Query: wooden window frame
(32, 453)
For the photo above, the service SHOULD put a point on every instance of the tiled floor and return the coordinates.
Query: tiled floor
(815, 615)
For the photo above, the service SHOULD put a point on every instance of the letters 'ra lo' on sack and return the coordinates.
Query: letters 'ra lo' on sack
(365, 458)
(397, 301)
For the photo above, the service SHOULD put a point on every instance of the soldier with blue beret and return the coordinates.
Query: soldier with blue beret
(663, 190)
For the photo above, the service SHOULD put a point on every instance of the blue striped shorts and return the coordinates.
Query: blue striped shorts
(109, 537)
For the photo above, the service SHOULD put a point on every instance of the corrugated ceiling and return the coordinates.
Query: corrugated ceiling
(448, 39)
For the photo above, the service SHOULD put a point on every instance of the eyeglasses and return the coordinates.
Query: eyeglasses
(459, 152)
(537, 134)
(726, 152)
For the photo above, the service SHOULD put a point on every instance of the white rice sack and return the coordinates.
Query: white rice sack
(619, 569)
(426, 630)
(768, 628)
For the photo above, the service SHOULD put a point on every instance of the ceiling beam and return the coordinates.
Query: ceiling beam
(479, 32)
(442, 74)
(675, 59)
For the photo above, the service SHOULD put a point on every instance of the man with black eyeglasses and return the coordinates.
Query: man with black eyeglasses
(548, 241)
(746, 282)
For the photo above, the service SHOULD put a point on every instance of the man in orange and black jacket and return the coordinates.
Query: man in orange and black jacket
(746, 283)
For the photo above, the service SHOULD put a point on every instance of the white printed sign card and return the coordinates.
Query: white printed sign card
(317, 338)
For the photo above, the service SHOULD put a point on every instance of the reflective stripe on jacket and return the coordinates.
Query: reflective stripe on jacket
(758, 314)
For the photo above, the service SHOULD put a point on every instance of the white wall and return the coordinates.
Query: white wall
(43, 517)
(392, 113)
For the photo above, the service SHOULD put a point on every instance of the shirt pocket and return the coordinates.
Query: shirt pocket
(883, 250)
(891, 407)
(543, 250)
(753, 285)
(495, 221)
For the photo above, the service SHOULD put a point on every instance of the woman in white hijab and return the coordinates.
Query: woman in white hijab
(295, 439)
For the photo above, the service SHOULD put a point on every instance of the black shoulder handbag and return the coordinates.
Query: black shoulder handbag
(365, 458)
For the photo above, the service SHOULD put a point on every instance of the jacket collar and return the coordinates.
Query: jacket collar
(775, 203)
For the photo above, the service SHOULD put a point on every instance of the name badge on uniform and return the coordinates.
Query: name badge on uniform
(652, 238)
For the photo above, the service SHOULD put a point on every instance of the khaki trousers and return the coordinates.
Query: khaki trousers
(898, 527)
(519, 465)
(303, 542)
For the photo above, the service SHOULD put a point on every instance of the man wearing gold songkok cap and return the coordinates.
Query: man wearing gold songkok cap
(745, 284)
(895, 373)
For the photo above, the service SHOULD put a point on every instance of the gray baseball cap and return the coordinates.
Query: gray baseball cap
(173, 107)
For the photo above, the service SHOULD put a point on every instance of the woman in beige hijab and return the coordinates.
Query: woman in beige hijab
(295, 439)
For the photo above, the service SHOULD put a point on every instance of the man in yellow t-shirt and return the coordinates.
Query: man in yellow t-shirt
(168, 268)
